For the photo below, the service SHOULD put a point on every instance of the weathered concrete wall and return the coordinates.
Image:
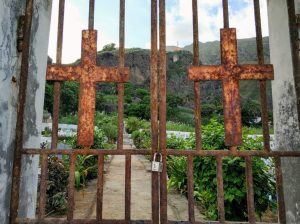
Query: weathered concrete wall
(9, 68)
(10, 60)
(286, 123)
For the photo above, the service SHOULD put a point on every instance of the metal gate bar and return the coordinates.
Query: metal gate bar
(20, 112)
(162, 73)
(154, 109)
(262, 83)
(220, 189)
(197, 90)
(56, 104)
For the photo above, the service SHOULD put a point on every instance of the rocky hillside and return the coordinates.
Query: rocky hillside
(209, 52)
(138, 61)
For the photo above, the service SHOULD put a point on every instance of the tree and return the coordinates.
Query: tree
(109, 47)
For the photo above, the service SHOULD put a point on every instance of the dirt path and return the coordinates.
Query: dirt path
(114, 191)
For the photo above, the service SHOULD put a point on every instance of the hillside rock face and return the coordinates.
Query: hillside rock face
(138, 60)
(210, 51)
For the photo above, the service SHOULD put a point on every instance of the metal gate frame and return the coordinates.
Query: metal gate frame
(158, 125)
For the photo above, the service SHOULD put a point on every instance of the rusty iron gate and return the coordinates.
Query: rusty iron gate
(87, 73)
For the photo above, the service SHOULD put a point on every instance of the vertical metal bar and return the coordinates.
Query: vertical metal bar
(120, 86)
(162, 110)
(20, 114)
(280, 193)
(56, 102)
(100, 184)
(250, 191)
(220, 191)
(262, 83)
(43, 186)
(91, 14)
(127, 188)
(196, 84)
(225, 14)
(70, 214)
(191, 202)
(57, 85)
(154, 110)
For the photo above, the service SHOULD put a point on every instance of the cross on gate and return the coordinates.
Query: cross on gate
(88, 74)
(230, 72)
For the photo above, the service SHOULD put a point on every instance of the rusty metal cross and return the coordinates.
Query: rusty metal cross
(230, 72)
(88, 74)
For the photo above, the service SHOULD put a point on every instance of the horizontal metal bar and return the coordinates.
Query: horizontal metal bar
(87, 152)
(257, 153)
(216, 222)
(78, 221)
(92, 221)
(170, 152)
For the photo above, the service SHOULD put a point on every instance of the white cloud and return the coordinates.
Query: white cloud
(244, 22)
(179, 24)
(179, 21)
(75, 21)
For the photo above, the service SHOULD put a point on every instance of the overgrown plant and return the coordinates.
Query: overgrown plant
(233, 174)
(205, 190)
(135, 124)
(57, 186)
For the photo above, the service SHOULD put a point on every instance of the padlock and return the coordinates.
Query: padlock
(157, 166)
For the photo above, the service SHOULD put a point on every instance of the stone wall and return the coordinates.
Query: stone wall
(286, 120)
(10, 61)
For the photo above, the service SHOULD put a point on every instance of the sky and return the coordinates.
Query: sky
(137, 23)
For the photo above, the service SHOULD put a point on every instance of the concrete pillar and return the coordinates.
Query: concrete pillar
(286, 120)
(10, 61)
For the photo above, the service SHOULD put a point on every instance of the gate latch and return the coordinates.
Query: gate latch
(157, 166)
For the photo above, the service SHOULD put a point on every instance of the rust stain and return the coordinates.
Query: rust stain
(230, 72)
(87, 74)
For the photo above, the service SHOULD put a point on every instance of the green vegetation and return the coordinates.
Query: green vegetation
(57, 186)
(205, 180)
(180, 116)
(86, 166)
(173, 126)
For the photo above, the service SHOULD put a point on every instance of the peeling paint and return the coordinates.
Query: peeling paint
(10, 10)
(286, 121)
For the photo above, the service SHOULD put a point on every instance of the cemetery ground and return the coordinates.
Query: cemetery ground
(180, 137)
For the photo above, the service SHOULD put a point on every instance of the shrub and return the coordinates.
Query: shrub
(86, 166)
(233, 174)
(69, 119)
(99, 140)
(205, 190)
(141, 139)
(57, 186)
(85, 169)
(135, 124)
(175, 126)
(111, 132)
(109, 126)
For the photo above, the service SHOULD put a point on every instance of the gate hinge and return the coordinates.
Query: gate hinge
(20, 33)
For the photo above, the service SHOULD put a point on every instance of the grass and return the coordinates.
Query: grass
(171, 125)
(256, 130)
(69, 119)
(174, 126)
